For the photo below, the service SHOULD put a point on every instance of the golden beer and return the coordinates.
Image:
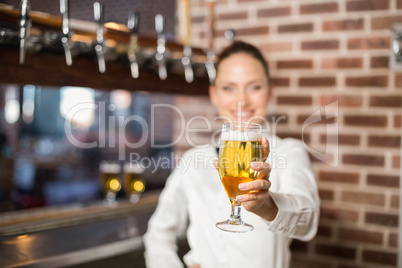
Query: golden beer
(133, 181)
(235, 164)
(240, 146)
(110, 179)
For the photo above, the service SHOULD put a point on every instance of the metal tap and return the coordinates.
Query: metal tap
(25, 27)
(161, 48)
(186, 61)
(210, 66)
(65, 39)
(100, 45)
(132, 24)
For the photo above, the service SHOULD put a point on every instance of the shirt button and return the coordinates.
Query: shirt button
(280, 226)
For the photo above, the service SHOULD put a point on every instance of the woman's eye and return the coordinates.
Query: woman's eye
(227, 88)
(256, 87)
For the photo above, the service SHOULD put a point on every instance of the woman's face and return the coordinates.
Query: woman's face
(241, 91)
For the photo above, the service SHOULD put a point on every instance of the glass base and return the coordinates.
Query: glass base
(237, 226)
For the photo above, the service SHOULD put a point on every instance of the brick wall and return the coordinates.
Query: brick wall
(321, 52)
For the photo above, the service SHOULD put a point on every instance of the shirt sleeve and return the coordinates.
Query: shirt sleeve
(296, 196)
(166, 224)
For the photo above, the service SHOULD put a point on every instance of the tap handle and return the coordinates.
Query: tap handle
(99, 47)
(186, 61)
(25, 26)
(65, 39)
(133, 21)
(160, 49)
(132, 24)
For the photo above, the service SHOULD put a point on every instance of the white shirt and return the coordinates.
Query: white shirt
(194, 198)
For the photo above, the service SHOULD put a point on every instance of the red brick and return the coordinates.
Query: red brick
(322, 120)
(383, 180)
(319, 8)
(379, 257)
(295, 100)
(320, 45)
(397, 121)
(280, 81)
(340, 215)
(343, 100)
(296, 28)
(395, 201)
(380, 23)
(398, 80)
(233, 15)
(326, 194)
(369, 43)
(394, 101)
(393, 240)
(273, 12)
(367, 81)
(261, 30)
(379, 62)
(364, 160)
(342, 63)
(390, 220)
(343, 139)
(363, 198)
(343, 25)
(336, 251)
(384, 141)
(294, 64)
(328, 81)
(339, 177)
(366, 120)
(366, 5)
(396, 161)
(371, 237)
(276, 47)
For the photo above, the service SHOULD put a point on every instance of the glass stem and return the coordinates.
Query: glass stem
(235, 213)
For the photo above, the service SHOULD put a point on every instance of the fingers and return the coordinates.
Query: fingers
(265, 149)
(255, 185)
(263, 167)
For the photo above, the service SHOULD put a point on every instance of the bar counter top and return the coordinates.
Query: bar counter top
(74, 234)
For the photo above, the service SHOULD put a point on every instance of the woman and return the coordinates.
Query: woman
(193, 200)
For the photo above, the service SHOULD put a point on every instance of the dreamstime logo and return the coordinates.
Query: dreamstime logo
(114, 127)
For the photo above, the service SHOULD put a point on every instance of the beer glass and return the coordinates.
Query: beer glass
(110, 180)
(240, 145)
(133, 181)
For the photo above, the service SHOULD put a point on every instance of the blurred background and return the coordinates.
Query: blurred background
(338, 87)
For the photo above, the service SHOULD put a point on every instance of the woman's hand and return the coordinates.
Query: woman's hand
(259, 201)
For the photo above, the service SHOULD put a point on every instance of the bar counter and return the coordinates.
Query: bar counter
(75, 235)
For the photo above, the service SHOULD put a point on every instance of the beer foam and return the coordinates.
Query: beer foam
(133, 168)
(236, 135)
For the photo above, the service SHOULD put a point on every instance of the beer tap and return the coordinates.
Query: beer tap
(132, 24)
(161, 48)
(209, 64)
(184, 29)
(186, 61)
(25, 27)
(65, 39)
(100, 44)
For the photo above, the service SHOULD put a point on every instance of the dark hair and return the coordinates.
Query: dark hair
(243, 47)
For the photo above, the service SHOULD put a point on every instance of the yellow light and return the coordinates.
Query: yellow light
(114, 185)
(138, 186)
(22, 236)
